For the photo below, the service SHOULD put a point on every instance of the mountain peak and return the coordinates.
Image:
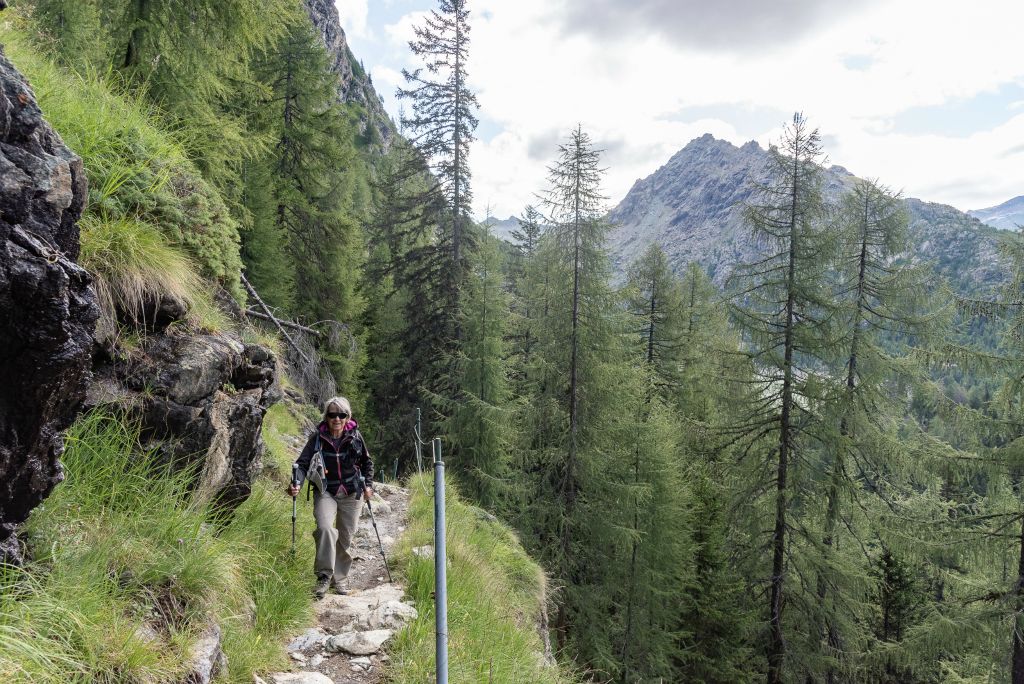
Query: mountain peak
(692, 207)
(1009, 214)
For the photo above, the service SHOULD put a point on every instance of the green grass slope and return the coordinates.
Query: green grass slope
(495, 594)
(128, 571)
(152, 225)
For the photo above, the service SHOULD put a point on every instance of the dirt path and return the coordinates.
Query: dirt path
(357, 620)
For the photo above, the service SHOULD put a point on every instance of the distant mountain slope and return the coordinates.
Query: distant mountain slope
(355, 85)
(502, 229)
(693, 208)
(1008, 215)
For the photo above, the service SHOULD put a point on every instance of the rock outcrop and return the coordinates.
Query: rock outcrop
(47, 308)
(354, 84)
(200, 400)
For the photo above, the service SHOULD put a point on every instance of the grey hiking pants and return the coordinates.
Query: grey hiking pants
(332, 543)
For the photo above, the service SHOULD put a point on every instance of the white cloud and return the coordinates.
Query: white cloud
(353, 15)
(534, 79)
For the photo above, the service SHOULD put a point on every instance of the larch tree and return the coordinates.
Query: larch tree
(299, 195)
(782, 309)
(477, 421)
(881, 304)
(443, 119)
(573, 374)
(529, 286)
(193, 58)
(406, 286)
(654, 300)
(78, 29)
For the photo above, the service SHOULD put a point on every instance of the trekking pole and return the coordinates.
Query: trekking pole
(295, 477)
(362, 489)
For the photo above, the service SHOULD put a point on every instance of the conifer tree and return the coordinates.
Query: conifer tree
(192, 58)
(781, 308)
(524, 303)
(478, 419)
(407, 278)
(443, 120)
(990, 531)
(655, 301)
(299, 196)
(647, 576)
(78, 29)
(707, 351)
(878, 300)
(574, 487)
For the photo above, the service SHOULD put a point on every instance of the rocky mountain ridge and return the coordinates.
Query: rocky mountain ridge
(693, 208)
(1009, 215)
(354, 84)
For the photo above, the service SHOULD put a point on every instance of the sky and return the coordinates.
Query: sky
(926, 96)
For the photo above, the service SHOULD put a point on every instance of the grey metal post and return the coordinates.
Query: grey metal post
(440, 568)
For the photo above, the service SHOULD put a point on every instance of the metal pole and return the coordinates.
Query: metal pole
(440, 568)
(419, 447)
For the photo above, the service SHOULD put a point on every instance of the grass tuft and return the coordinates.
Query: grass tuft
(137, 166)
(495, 592)
(128, 570)
(135, 267)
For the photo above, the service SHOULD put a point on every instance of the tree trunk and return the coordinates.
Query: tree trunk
(134, 49)
(777, 642)
(1017, 674)
(569, 479)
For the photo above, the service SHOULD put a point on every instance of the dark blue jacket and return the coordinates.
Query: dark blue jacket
(343, 457)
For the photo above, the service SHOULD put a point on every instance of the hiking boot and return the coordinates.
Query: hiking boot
(340, 587)
(322, 583)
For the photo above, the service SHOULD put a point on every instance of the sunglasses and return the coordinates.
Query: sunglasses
(332, 414)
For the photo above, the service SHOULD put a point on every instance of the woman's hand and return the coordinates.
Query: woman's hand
(369, 492)
(293, 489)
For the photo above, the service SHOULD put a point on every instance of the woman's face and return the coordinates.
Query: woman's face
(336, 416)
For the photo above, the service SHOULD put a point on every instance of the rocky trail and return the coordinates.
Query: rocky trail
(346, 645)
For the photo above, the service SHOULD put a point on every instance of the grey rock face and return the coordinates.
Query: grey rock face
(353, 84)
(201, 401)
(207, 658)
(693, 208)
(47, 308)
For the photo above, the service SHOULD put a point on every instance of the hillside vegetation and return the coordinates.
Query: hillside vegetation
(496, 598)
(129, 571)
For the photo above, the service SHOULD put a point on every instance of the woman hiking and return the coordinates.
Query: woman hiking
(334, 459)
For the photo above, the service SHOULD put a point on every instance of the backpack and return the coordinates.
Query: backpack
(317, 474)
